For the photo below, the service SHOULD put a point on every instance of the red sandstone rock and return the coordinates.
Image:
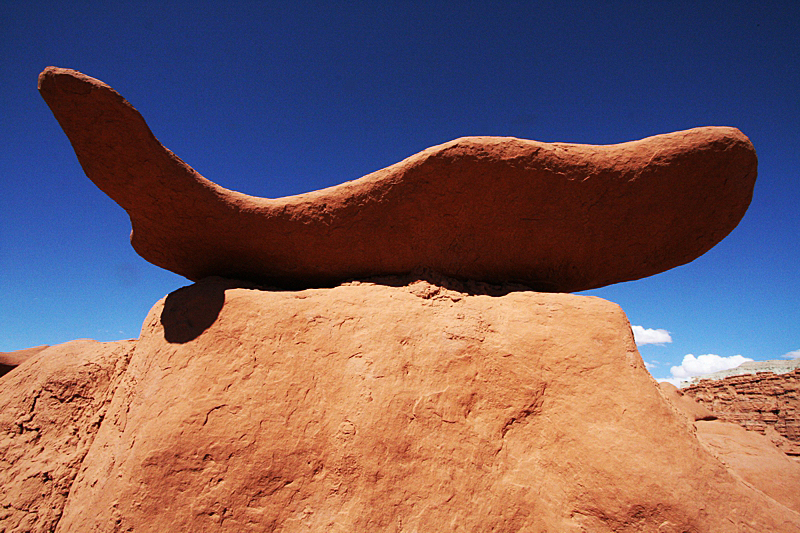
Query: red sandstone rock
(750, 455)
(50, 409)
(377, 408)
(685, 404)
(755, 458)
(557, 217)
(757, 402)
(10, 360)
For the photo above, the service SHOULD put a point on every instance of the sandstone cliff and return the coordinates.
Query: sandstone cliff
(365, 407)
(752, 456)
(765, 402)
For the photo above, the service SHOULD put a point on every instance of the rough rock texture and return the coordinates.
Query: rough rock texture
(557, 217)
(10, 360)
(50, 409)
(758, 402)
(685, 404)
(755, 458)
(381, 408)
(750, 455)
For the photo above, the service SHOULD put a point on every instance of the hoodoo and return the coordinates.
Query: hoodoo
(554, 216)
(407, 402)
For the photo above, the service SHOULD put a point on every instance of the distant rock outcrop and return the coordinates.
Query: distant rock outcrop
(557, 217)
(749, 368)
(10, 360)
(765, 402)
(752, 456)
(366, 407)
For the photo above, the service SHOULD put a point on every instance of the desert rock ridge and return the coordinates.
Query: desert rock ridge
(374, 407)
(554, 216)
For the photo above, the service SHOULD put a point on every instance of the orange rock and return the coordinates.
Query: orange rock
(557, 217)
(759, 402)
(397, 408)
(50, 409)
(750, 455)
(10, 360)
(755, 458)
(685, 404)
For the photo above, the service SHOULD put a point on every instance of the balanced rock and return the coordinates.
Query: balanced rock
(556, 217)
(375, 408)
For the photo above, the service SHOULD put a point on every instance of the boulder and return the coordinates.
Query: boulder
(387, 406)
(557, 217)
(51, 406)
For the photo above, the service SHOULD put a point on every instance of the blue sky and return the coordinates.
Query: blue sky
(278, 98)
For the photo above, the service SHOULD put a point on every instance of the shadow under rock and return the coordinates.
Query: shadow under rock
(191, 310)
(465, 286)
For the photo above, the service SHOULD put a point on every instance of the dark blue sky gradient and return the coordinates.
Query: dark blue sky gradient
(283, 98)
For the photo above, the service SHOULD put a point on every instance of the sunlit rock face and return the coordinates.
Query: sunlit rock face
(757, 458)
(438, 392)
(392, 406)
(557, 217)
(765, 399)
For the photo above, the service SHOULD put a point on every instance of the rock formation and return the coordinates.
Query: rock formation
(427, 406)
(409, 402)
(556, 217)
(51, 406)
(749, 368)
(761, 402)
(9, 360)
(750, 455)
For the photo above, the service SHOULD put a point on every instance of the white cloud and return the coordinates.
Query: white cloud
(674, 381)
(792, 355)
(705, 364)
(650, 336)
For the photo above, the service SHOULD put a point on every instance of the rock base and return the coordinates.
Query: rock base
(371, 407)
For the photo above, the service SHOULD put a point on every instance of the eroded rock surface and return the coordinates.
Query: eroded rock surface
(11, 360)
(377, 408)
(51, 406)
(760, 402)
(557, 217)
(752, 456)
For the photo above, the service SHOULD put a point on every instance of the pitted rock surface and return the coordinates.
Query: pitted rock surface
(51, 406)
